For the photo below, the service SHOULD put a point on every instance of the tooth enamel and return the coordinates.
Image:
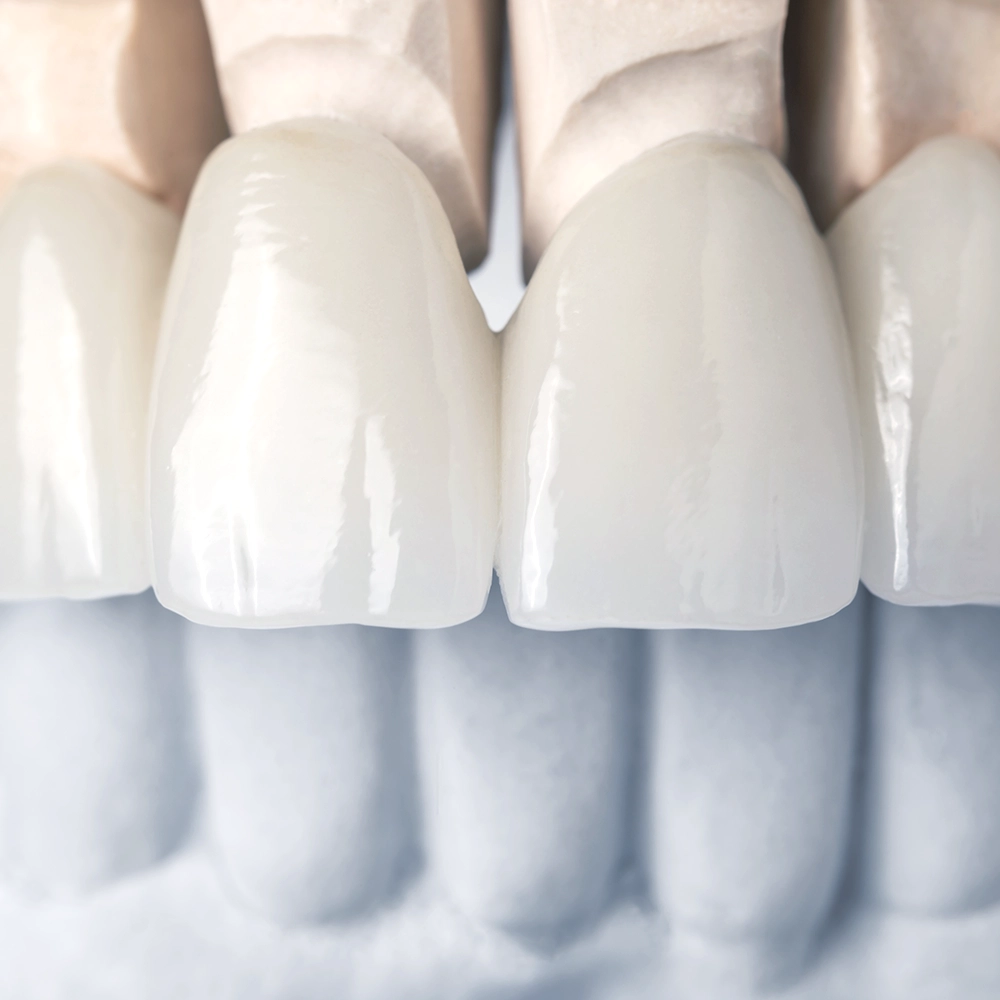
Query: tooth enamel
(525, 754)
(125, 83)
(752, 741)
(83, 264)
(324, 417)
(305, 742)
(95, 758)
(917, 258)
(601, 82)
(680, 442)
(423, 73)
(932, 837)
(869, 80)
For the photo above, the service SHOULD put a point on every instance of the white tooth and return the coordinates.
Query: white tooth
(95, 752)
(751, 759)
(917, 257)
(932, 838)
(591, 81)
(128, 84)
(324, 417)
(305, 738)
(680, 441)
(83, 264)
(423, 73)
(525, 749)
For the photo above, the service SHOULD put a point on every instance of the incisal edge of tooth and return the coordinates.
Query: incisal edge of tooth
(83, 264)
(680, 441)
(868, 80)
(324, 425)
(423, 73)
(917, 258)
(129, 84)
(591, 77)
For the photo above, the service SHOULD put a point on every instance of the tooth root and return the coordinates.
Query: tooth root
(95, 756)
(129, 84)
(917, 259)
(83, 264)
(869, 80)
(423, 73)
(524, 743)
(324, 421)
(751, 758)
(680, 442)
(932, 838)
(305, 747)
(591, 80)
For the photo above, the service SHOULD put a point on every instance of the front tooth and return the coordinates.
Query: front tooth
(83, 264)
(324, 417)
(95, 752)
(525, 752)
(305, 742)
(917, 258)
(680, 442)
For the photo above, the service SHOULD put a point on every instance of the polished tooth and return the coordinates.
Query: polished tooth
(423, 73)
(932, 831)
(324, 425)
(599, 83)
(96, 760)
(751, 756)
(307, 759)
(917, 258)
(128, 84)
(83, 264)
(680, 442)
(525, 752)
(869, 80)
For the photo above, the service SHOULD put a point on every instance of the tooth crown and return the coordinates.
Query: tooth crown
(83, 265)
(324, 418)
(421, 72)
(680, 441)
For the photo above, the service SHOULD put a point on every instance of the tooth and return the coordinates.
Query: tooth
(95, 757)
(591, 82)
(917, 261)
(305, 749)
(324, 417)
(420, 72)
(933, 804)
(128, 84)
(525, 754)
(751, 759)
(680, 442)
(869, 80)
(83, 263)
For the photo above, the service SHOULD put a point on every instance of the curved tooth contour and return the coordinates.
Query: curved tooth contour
(83, 264)
(680, 442)
(917, 257)
(324, 423)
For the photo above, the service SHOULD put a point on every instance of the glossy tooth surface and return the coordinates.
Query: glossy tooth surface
(869, 80)
(423, 73)
(324, 419)
(526, 746)
(591, 80)
(680, 444)
(128, 84)
(83, 264)
(917, 258)
(932, 832)
(751, 748)
(95, 754)
(306, 753)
